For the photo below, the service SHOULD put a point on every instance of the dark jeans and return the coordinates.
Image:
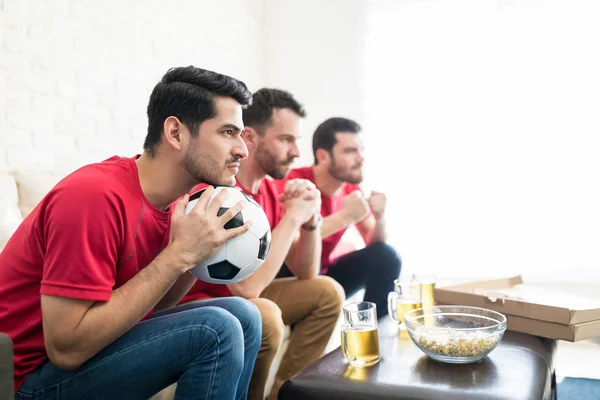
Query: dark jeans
(207, 347)
(373, 268)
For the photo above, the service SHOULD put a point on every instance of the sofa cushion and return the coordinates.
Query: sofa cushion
(33, 186)
(10, 215)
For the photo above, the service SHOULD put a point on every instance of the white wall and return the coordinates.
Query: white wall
(315, 49)
(75, 76)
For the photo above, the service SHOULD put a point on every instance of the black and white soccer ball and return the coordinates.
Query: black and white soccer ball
(239, 257)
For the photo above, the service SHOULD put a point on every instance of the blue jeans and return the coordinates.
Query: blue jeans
(207, 347)
(373, 268)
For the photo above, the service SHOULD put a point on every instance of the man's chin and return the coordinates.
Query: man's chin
(221, 182)
(280, 173)
(231, 182)
(355, 180)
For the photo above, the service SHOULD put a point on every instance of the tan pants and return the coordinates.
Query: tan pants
(313, 307)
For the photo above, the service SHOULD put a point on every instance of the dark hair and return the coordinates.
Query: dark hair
(188, 93)
(264, 101)
(324, 136)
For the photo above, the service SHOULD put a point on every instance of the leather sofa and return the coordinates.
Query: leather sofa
(6, 367)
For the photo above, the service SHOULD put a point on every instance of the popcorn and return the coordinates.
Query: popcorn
(452, 343)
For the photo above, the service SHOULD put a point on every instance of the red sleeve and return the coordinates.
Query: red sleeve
(81, 229)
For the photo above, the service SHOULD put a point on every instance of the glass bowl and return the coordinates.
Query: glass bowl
(455, 334)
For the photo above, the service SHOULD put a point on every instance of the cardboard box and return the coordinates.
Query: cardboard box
(528, 308)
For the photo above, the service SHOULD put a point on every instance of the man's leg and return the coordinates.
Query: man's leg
(373, 268)
(247, 315)
(313, 307)
(201, 346)
(272, 336)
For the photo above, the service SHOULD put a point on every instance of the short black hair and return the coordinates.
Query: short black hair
(188, 93)
(259, 115)
(324, 136)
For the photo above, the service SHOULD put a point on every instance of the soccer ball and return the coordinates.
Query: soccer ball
(241, 256)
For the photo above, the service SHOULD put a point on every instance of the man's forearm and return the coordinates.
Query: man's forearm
(105, 322)
(177, 291)
(305, 260)
(334, 223)
(378, 233)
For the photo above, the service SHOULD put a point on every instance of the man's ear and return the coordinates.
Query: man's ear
(173, 132)
(250, 137)
(323, 156)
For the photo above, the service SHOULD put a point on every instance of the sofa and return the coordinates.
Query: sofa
(20, 192)
(6, 367)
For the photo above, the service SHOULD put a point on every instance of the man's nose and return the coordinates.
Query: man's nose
(294, 151)
(240, 150)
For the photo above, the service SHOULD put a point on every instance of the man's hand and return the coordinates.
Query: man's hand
(377, 201)
(295, 188)
(355, 207)
(200, 233)
(302, 209)
(301, 200)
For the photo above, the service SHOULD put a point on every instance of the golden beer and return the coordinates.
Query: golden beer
(356, 373)
(427, 294)
(404, 306)
(361, 345)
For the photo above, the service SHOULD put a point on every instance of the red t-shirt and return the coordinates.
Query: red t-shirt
(267, 198)
(89, 235)
(329, 205)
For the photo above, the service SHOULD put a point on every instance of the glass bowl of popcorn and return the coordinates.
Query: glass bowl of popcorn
(455, 334)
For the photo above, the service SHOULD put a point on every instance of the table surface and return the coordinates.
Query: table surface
(521, 367)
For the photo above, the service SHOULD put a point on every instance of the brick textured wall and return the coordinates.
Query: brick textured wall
(75, 75)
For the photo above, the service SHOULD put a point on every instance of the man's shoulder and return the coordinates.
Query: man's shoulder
(301, 173)
(111, 178)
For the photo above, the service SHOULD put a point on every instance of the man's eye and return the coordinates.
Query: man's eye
(228, 132)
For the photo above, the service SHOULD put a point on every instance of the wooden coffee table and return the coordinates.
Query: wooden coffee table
(520, 368)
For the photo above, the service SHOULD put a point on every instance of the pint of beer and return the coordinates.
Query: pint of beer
(360, 338)
(407, 296)
(427, 282)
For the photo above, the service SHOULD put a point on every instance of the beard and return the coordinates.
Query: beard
(276, 169)
(206, 169)
(353, 175)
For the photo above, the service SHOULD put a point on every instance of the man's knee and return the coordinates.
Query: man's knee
(272, 323)
(330, 291)
(248, 313)
(216, 325)
(387, 258)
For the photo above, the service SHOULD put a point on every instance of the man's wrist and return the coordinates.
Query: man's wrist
(312, 224)
(174, 259)
(347, 218)
(380, 218)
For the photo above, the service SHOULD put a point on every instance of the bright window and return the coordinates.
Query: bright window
(483, 128)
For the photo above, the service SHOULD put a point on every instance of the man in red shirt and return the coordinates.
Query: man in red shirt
(337, 173)
(84, 278)
(311, 303)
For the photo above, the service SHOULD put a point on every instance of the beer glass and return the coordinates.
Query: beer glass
(360, 339)
(405, 297)
(427, 282)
